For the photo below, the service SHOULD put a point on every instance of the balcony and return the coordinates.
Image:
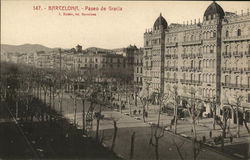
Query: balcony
(183, 68)
(172, 68)
(191, 43)
(174, 56)
(168, 56)
(199, 55)
(247, 53)
(184, 56)
(236, 86)
(226, 69)
(191, 82)
(237, 38)
(171, 80)
(247, 70)
(226, 54)
(237, 70)
(198, 69)
(147, 46)
(192, 56)
(237, 54)
(171, 44)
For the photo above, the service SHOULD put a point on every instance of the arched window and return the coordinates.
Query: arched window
(237, 80)
(237, 48)
(192, 76)
(239, 32)
(227, 79)
(227, 49)
(192, 63)
(226, 63)
(236, 63)
(168, 75)
(227, 33)
(192, 37)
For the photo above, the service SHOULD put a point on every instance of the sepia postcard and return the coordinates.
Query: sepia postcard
(141, 80)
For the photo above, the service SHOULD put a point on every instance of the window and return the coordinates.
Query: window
(96, 65)
(248, 100)
(212, 17)
(96, 60)
(239, 32)
(248, 82)
(227, 79)
(227, 34)
(192, 37)
(175, 76)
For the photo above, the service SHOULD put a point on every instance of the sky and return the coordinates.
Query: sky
(21, 23)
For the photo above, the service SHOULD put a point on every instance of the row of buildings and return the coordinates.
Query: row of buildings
(126, 62)
(211, 57)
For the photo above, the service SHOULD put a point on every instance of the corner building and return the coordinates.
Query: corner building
(211, 57)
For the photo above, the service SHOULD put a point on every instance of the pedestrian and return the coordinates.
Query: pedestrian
(231, 139)
(204, 139)
(210, 134)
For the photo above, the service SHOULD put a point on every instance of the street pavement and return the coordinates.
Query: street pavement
(238, 149)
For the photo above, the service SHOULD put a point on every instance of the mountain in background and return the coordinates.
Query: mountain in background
(25, 48)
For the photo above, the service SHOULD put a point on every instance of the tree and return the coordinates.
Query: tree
(226, 114)
(194, 107)
(175, 101)
(213, 106)
(157, 133)
(145, 99)
(239, 99)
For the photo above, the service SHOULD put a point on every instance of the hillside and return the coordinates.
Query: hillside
(25, 48)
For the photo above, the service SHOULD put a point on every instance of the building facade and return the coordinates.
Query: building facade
(210, 57)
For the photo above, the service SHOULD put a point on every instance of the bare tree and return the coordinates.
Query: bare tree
(239, 99)
(226, 114)
(194, 107)
(157, 133)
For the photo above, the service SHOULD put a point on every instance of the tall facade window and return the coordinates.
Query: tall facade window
(227, 34)
(227, 79)
(237, 80)
(239, 32)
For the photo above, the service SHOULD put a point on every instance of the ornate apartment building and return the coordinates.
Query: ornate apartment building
(211, 57)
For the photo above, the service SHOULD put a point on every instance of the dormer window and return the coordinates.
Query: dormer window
(212, 16)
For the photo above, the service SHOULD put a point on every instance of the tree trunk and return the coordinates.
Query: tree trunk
(75, 111)
(114, 137)
(97, 129)
(132, 146)
(214, 116)
(156, 148)
(194, 148)
(175, 119)
(237, 120)
(83, 116)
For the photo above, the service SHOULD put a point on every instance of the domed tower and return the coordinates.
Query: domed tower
(211, 46)
(160, 23)
(213, 11)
